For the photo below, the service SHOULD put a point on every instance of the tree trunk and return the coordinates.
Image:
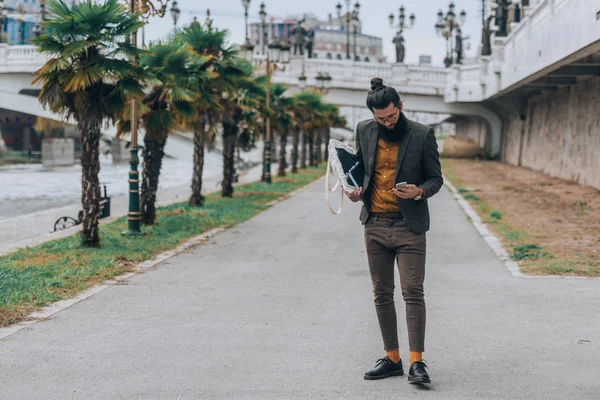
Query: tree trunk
(197, 199)
(318, 147)
(90, 183)
(326, 150)
(282, 154)
(154, 151)
(295, 143)
(311, 149)
(274, 152)
(264, 159)
(304, 148)
(229, 139)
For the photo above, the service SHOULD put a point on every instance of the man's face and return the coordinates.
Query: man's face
(389, 116)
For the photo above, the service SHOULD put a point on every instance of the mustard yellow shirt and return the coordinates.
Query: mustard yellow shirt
(383, 200)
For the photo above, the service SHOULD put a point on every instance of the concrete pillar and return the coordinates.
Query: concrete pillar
(120, 153)
(26, 138)
(58, 152)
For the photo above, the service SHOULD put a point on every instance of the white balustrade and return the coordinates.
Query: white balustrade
(26, 59)
(357, 75)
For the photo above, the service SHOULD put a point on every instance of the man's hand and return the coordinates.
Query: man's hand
(407, 192)
(355, 195)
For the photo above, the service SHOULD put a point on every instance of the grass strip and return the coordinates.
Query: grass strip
(34, 277)
(519, 241)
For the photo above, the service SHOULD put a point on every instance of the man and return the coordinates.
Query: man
(396, 150)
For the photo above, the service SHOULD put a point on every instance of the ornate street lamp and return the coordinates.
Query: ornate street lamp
(323, 82)
(148, 8)
(247, 47)
(246, 5)
(399, 27)
(175, 13)
(348, 15)
(356, 20)
(302, 81)
(263, 25)
(447, 27)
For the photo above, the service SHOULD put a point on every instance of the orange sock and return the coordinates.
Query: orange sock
(393, 355)
(415, 356)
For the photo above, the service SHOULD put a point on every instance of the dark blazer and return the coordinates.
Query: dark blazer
(418, 163)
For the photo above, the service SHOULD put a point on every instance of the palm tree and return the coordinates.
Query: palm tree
(305, 111)
(88, 78)
(281, 121)
(221, 63)
(237, 108)
(176, 73)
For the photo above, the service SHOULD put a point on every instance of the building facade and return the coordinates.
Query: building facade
(329, 38)
(22, 17)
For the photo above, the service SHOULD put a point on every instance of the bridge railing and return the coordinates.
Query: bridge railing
(550, 32)
(357, 75)
(24, 58)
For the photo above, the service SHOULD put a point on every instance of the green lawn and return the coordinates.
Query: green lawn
(34, 277)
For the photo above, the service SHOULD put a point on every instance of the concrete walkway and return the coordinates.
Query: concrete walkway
(281, 307)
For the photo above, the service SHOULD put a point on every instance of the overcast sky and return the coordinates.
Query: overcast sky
(422, 39)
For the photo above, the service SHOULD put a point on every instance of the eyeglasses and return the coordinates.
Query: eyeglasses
(390, 120)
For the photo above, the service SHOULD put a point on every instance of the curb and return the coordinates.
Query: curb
(142, 267)
(495, 244)
(59, 306)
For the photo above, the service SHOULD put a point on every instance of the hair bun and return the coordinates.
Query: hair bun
(377, 84)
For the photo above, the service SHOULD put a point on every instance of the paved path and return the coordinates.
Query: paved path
(281, 308)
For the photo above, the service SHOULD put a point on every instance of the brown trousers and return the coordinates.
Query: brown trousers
(387, 239)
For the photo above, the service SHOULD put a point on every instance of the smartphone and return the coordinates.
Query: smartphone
(401, 185)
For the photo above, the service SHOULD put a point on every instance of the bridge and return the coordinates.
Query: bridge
(506, 101)
(543, 80)
(422, 88)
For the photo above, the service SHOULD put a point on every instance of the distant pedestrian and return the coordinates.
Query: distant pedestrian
(402, 171)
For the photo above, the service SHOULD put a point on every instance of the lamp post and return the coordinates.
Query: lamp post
(355, 18)
(263, 26)
(247, 47)
(175, 13)
(400, 26)
(246, 4)
(348, 14)
(148, 9)
(447, 27)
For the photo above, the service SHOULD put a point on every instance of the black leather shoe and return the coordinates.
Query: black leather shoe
(418, 373)
(385, 368)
